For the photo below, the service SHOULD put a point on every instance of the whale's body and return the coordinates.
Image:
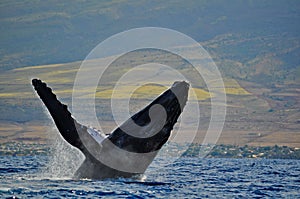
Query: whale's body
(130, 148)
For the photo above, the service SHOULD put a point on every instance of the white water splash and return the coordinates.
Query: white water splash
(64, 159)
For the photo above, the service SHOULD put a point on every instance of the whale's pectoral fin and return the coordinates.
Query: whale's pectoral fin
(142, 134)
(59, 112)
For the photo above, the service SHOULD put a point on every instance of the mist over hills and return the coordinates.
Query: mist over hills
(252, 34)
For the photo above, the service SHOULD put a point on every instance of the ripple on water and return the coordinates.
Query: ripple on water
(23, 177)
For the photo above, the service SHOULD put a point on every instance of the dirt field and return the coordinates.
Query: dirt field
(35, 132)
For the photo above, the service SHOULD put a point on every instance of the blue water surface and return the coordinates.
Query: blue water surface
(24, 177)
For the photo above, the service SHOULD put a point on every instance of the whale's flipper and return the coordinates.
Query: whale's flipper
(59, 112)
(172, 102)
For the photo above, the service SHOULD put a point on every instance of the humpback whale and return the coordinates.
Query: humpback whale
(131, 147)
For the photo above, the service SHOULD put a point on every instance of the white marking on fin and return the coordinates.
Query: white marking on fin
(98, 136)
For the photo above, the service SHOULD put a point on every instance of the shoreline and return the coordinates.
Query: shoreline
(217, 151)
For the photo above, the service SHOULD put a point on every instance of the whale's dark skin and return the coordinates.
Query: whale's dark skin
(95, 167)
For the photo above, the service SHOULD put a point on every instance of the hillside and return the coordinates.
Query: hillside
(255, 44)
(256, 115)
(255, 34)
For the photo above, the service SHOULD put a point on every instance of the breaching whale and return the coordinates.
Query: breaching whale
(131, 147)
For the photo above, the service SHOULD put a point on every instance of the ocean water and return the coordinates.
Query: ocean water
(31, 177)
